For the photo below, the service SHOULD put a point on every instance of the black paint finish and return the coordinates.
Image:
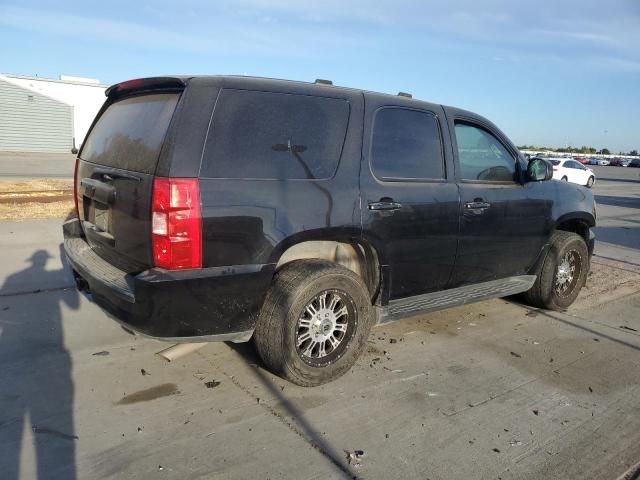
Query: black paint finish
(428, 235)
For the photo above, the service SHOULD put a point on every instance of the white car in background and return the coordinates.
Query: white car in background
(572, 171)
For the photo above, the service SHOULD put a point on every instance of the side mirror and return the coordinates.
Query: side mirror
(539, 170)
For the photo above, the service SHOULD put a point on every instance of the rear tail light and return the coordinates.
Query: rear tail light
(75, 187)
(176, 223)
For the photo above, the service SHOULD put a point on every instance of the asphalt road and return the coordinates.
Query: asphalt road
(492, 390)
(45, 165)
(26, 166)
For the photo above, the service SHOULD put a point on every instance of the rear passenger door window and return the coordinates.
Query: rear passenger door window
(275, 136)
(406, 145)
(482, 156)
(574, 165)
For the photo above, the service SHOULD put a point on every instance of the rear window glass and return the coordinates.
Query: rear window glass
(130, 132)
(406, 145)
(266, 135)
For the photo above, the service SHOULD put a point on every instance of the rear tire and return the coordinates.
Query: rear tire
(562, 273)
(590, 181)
(564, 179)
(314, 323)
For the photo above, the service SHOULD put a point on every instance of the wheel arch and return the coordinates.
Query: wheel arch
(577, 222)
(354, 254)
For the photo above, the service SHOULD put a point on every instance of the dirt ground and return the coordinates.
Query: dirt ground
(36, 199)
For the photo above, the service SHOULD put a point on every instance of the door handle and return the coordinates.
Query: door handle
(386, 205)
(477, 205)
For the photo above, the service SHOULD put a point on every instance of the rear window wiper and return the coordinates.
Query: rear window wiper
(110, 175)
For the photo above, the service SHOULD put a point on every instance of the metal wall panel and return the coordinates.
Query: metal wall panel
(31, 122)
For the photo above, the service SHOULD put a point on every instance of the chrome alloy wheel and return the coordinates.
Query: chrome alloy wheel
(567, 273)
(323, 327)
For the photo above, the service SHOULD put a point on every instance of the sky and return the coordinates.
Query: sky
(547, 72)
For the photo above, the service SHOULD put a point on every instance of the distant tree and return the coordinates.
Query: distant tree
(585, 149)
(633, 153)
(605, 151)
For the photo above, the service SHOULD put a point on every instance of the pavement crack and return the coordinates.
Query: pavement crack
(302, 431)
(37, 290)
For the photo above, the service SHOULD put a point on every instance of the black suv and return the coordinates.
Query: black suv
(299, 215)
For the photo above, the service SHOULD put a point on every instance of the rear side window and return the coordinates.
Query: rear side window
(406, 145)
(275, 136)
(130, 132)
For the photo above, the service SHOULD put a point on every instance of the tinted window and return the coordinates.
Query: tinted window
(555, 162)
(275, 136)
(406, 144)
(482, 156)
(129, 134)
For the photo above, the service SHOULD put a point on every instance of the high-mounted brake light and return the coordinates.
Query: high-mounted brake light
(176, 223)
(129, 84)
(145, 83)
(75, 187)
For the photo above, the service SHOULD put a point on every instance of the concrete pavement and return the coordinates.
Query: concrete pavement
(492, 390)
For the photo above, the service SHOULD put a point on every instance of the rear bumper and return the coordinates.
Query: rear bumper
(208, 304)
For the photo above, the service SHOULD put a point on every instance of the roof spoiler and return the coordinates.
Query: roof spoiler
(151, 83)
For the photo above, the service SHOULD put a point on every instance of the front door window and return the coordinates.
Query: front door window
(482, 156)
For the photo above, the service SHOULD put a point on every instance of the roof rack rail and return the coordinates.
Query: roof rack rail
(322, 81)
(405, 94)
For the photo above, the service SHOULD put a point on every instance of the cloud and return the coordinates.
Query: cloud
(573, 30)
(218, 36)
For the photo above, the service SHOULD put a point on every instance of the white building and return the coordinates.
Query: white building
(45, 115)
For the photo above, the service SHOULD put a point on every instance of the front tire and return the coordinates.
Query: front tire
(314, 323)
(562, 273)
(564, 179)
(590, 182)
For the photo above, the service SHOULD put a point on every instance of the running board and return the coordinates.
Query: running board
(431, 302)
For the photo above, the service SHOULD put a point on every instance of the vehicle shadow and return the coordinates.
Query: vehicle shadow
(628, 237)
(300, 424)
(628, 202)
(36, 386)
(619, 180)
(519, 301)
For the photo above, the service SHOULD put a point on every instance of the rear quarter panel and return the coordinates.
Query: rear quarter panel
(254, 221)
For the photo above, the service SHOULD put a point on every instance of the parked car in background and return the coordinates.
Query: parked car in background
(592, 161)
(635, 163)
(618, 162)
(572, 171)
(603, 162)
(625, 162)
(582, 160)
